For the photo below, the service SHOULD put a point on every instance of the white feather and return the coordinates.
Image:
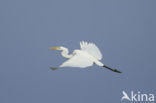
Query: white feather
(80, 59)
(92, 49)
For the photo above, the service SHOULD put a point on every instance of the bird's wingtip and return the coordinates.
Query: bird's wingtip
(53, 68)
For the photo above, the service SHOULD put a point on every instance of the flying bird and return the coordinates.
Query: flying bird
(86, 56)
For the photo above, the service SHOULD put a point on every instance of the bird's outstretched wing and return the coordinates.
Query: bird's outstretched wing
(92, 49)
(78, 60)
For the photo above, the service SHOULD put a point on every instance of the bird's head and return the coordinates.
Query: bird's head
(64, 52)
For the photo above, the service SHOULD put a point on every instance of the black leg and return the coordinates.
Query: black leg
(114, 70)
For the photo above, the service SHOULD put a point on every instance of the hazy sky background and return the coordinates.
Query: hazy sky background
(124, 30)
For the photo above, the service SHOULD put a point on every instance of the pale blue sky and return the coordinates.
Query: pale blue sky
(124, 30)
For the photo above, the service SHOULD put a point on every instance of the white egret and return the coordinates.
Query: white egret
(86, 56)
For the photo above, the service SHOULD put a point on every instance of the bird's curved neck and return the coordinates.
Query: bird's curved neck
(65, 53)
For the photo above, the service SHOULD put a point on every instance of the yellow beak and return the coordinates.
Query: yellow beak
(57, 48)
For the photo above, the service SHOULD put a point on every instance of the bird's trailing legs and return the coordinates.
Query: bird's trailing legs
(114, 70)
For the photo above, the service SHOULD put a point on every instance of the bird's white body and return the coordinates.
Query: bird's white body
(81, 59)
(86, 56)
